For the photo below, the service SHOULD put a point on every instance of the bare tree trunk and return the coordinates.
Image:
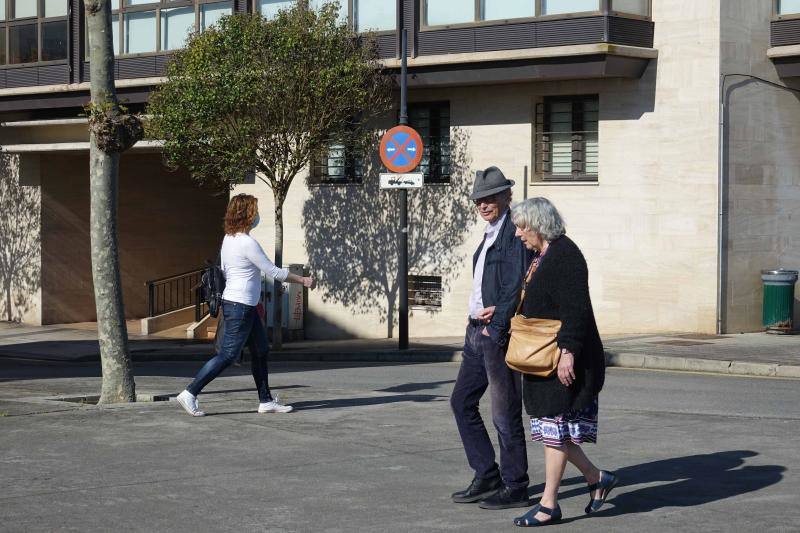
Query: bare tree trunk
(277, 305)
(8, 300)
(118, 384)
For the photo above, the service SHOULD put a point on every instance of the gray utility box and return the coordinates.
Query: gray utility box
(292, 318)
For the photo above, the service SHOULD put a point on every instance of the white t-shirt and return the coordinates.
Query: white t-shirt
(476, 296)
(243, 260)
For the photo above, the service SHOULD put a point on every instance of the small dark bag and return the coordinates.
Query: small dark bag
(212, 285)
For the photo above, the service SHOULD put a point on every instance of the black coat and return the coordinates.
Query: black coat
(503, 272)
(559, 290)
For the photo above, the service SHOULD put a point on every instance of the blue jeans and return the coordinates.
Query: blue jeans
(242, 326)
(483, 365)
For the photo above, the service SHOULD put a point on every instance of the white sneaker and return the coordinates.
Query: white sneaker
(275, 406)
(189, 403)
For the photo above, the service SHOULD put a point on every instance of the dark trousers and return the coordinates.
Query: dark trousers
(242, 327)
(483, 365)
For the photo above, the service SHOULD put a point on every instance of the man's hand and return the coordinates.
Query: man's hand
(566, 368)
(309, 282)
(486, 314)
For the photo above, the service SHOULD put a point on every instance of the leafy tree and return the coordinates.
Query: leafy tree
(270, 96)
(111, 132)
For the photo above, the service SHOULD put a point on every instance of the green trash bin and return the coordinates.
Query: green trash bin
(778, 311)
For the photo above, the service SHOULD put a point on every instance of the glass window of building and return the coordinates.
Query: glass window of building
(442, 12)
(788, 7)
(566, 141)
(176, 26)
(432, 121)
(144, 26)
(338, 166)
(636, 7)
(24, 9)
(374, 15)
(32, 31)
(507, 9)
(560, 7)
(270, 8)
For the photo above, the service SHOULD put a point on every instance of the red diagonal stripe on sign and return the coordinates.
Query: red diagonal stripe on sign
(402, 149)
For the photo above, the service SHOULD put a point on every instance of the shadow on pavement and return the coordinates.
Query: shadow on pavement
(413, 387)
(350, 402)
(692, 481)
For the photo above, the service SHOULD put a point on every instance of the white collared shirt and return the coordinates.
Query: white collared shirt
(476, 297)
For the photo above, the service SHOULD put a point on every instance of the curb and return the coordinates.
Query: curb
(688, 364)
(613, 359)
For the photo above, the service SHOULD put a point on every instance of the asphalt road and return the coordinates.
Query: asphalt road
(374, 448)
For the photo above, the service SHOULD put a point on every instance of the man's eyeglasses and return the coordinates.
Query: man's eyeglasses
(486, 200)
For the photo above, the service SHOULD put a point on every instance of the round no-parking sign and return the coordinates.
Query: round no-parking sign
(401, 149)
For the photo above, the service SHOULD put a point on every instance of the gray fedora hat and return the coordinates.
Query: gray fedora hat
(489, 182)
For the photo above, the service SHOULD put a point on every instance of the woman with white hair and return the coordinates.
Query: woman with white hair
(563, 406)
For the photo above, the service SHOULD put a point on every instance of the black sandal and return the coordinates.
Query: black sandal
(528, 520)
(607, 482)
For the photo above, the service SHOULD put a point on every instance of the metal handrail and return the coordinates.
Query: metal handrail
(173, 292)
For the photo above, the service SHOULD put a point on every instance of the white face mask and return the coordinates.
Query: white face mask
(256, 221)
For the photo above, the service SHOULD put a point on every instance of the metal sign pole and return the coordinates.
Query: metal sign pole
(403, 340)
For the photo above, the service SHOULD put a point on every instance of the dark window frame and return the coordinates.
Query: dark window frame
(353, 169)
(38, 20)
(434, 176)
(777, 16)
(542, 149)
(425, 288)
(156, 7)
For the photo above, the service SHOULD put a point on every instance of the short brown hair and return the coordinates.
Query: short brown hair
(241, 213)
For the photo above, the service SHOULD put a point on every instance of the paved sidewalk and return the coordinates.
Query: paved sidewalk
(754, 354)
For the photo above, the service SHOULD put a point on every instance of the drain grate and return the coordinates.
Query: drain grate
(92, 399)
(681, 343)
(701, 336)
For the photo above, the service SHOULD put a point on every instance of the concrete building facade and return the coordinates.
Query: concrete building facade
(610, 108)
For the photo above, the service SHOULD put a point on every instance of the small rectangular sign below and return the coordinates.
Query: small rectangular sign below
(401, 181)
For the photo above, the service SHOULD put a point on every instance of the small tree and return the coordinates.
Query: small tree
(269, 96)
(111, 132)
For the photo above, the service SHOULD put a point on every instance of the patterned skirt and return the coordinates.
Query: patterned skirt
(576, 427)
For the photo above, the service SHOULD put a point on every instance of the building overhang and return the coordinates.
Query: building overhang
(786, 60)
(588, 61)
(55, 135)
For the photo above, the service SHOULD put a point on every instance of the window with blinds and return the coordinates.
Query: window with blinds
(432, 122)
(566, 139)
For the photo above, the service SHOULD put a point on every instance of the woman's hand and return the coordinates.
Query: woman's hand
(566, 368)
(486, 314)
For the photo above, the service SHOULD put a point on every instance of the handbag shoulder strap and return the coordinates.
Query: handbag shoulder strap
(528, 276)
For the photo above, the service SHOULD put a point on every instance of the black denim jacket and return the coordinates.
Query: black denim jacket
(503, 272)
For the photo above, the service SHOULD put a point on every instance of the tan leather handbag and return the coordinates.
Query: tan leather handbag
(533, 347)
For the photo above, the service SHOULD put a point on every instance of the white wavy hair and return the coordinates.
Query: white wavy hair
(539, 215)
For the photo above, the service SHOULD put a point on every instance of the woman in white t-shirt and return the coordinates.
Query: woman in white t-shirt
(242, 261)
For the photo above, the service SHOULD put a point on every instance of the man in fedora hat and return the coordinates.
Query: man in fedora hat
(498, 269)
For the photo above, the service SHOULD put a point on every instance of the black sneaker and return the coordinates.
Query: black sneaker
(478, 490)
(507, 498)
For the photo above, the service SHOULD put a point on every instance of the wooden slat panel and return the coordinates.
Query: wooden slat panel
(505, 37)
(136, 67)
(785, 32)
(450, 41)
(631, 32)
(22, 77)
(567, 32)
(53, 74)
